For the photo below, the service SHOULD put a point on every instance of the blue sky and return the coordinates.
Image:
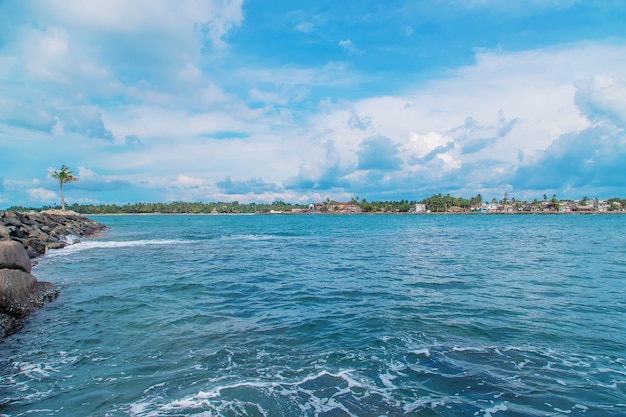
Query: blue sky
(254, 101)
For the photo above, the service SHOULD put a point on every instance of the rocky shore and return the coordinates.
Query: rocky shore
(23, 237)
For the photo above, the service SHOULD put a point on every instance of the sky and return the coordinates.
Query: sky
(300, 101)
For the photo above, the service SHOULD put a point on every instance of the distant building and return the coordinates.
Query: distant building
(336, 207)
(420, 208)
(455, 209)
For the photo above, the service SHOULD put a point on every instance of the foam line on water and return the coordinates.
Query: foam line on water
(112, 244)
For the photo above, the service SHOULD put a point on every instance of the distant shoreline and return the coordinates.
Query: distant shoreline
(474, 213)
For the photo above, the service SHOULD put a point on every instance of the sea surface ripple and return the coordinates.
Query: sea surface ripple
(329, 315)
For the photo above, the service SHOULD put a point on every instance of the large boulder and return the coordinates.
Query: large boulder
(21, 293)
(13, 256)
(17, 289)
(4, 233)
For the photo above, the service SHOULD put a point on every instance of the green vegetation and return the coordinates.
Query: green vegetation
(437, 203)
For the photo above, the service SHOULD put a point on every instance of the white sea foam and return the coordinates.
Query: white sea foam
(249, 237)
(35, 371)
(493, 410)
(111, 244)
(218, 399)
(468, 349)
(423, 351)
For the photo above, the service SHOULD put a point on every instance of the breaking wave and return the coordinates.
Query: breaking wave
(89, 244)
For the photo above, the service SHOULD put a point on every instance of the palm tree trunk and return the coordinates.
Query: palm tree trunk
(62, 199)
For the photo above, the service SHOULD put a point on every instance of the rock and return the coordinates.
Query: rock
(34, 248)
(4, 233)
(8, 325)
(17, 289)
(46, 292)
(21, 293)
(13, 256)
(40, 232)
(12, 221)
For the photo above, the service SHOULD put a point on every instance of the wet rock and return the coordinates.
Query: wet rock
(40, 232)
(8, 325)
(13, 256)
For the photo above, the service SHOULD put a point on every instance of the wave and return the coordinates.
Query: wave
(404, 376)
(250, 237)
(83, 245)
(400, 377)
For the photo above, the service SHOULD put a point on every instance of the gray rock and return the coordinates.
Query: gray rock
(4, 233)
(12, 221)
(8, 325)
(21, 293)
(14, 256)
(45, 293)
(34, 247)
(33, 230)
(17, 292)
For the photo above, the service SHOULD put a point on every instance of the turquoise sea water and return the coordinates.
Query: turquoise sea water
(329, 315)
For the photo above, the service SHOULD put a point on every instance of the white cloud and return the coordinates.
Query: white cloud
(422, 145)
(215, 18)
(348, 45)
(305, 27)
(601, 97)
(458, 123)
(46, 54)
(186, 181)
(42, 195)
(190, 73)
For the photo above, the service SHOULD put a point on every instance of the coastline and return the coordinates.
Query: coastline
(370, 213)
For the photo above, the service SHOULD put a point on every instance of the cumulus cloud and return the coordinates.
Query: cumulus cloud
(600, 98)
(473, 136)
(42, 195)
(590, 159)
(359, 122)
(423, 148)
(593, 158)
(85, 120)
(88, 122)
(185, 181)
(78, 54)
(157, 18)
(250, 186)
(379, 153)
(324, 174)
(89, 180)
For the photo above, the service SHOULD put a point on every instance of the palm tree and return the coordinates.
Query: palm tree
(64, 175)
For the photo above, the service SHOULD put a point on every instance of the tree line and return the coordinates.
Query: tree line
(435, 203)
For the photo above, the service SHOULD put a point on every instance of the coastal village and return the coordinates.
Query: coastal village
(435, 204)
(503, 206)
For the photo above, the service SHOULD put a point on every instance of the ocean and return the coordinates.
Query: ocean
(329, 315)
